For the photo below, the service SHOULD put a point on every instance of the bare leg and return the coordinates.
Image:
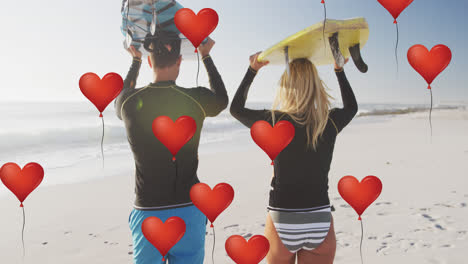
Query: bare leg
(324, 254)
(278, 253)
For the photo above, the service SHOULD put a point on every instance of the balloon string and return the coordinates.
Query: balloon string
(324, 23)
(198, 69)
(430, 114)
(102, 142)
(396, 46)
(362, 236)
(214, 243)
(175, 180)
(22, 232)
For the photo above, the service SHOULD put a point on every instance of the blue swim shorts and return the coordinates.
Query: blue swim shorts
(190, 249)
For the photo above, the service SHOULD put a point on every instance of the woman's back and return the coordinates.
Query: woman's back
(301, 170)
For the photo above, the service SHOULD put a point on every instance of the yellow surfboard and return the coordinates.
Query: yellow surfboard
(309, 43)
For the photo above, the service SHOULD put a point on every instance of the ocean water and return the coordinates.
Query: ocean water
(64, 136)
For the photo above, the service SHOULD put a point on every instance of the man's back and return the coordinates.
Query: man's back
(159, 181)
(162, 186)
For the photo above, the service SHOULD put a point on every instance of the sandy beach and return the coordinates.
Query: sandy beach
(420, 217)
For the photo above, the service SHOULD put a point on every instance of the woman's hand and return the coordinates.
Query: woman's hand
(255, 64)
(338, 68)
(134, 52)
(205, 49)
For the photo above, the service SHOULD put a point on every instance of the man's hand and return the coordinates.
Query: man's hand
(205, 49)
(255, 64)
(134, 52)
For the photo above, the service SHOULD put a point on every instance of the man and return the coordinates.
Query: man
(162, 185)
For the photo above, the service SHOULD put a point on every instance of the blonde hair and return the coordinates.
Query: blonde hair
(302, 95)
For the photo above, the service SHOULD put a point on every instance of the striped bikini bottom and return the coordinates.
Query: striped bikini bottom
(301, 229)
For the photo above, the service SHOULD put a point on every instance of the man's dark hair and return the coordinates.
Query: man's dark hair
(164, 48)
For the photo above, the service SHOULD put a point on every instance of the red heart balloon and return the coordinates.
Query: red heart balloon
(163, 236)
(212, 202)
(101, 92)
(360, 194)
(429, 64)
(272, 139)
(243, 252)
(174, 135)
(395, 7)
(21, 182)
(196, 27)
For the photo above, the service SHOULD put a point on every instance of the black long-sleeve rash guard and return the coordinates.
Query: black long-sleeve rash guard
(161, 183)
(301, 174)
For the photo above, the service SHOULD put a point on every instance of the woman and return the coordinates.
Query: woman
(299, 222)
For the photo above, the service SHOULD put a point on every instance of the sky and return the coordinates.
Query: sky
(46, 46)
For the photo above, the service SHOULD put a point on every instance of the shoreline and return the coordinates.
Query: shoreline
(409, 110)
(238, 138)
